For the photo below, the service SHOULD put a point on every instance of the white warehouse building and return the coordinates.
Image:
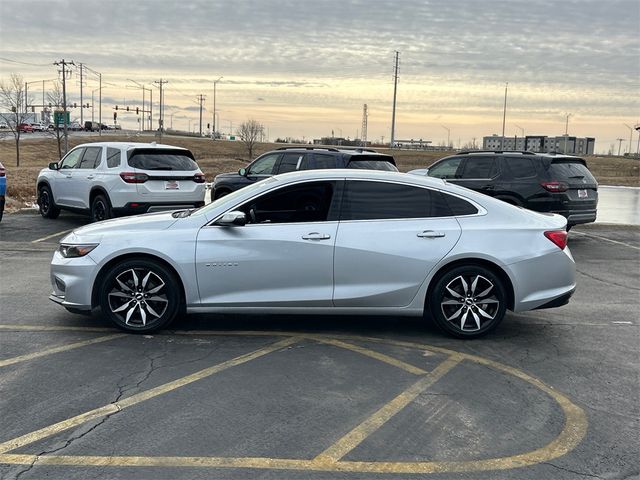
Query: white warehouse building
(541, 143)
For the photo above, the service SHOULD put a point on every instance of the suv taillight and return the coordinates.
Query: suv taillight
(555, 186)
(559, 237)
(132, 177)
(199, 178)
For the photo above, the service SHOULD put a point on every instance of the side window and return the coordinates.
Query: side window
(91, 158)
(479, 167)
(521, 167)
(72, 160)
(322, 160)
(113, 157)
(290, 162)
(458, 206)
(445, 169)
(368, 200)
(309, 202)
(264, 165)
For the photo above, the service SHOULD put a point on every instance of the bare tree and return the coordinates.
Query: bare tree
(56, 101)
(249, 132)
(14, 104)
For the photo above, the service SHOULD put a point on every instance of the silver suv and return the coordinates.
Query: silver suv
(111, 178)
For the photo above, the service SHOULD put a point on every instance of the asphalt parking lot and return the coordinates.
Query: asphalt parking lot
(552, 394)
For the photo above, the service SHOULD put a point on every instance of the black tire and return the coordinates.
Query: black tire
(46, 205)
(135, 308)
(216, 194)
(461, 314)
(100, 208)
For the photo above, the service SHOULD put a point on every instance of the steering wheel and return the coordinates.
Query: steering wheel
(252, 215)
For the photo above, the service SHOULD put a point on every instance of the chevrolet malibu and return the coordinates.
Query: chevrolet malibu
(330, 241)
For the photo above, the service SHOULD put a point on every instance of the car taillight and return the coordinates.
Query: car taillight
(555, 186)
(199, 178)
(559, 237)
(132, 177)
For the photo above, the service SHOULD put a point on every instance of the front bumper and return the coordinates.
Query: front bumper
(70, 306)
(72, 282)
(134, 208)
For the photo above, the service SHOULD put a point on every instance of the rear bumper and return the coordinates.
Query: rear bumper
(574, 218)
(134, 208)
(558, 302)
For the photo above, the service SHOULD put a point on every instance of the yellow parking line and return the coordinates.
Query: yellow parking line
(139, 397)
(356, 436)
(61, 348)
(373, 354)
(52, 235)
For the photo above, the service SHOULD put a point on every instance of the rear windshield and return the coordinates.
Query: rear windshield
(570, 170)
(157, 159)
(370, 162)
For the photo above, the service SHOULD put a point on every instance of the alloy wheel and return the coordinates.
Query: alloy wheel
(138, 297)
(469, 302)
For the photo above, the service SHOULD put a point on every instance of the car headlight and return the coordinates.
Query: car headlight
(74, 251)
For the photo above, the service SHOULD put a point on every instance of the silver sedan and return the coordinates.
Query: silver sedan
(332, 241)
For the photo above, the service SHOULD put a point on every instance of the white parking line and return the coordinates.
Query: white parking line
(605, 239)
(52, 235)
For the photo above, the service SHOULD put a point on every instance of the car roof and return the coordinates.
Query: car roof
(341, 150)
(130, 145)
(359, 174)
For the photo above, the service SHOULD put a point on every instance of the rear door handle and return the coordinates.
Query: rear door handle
(316, 236)
(91, 177)
(431, 234)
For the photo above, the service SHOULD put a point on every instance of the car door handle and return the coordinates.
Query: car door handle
(316, 236)
(431, 234)
(91, 177)
(487, 187)
(68, 175)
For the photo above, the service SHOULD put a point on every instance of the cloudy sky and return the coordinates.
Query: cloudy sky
(305, 68)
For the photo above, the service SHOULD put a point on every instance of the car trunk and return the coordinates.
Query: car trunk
(582, 187)
(373, 162)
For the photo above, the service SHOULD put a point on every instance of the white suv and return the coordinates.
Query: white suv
(111, 178)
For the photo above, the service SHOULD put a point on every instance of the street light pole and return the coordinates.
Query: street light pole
(566, 133)
(448, 135)
(630, 136)
(504, 114)
(213, 119)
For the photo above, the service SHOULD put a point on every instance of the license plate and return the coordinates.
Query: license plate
(582, 193)
(171, 185)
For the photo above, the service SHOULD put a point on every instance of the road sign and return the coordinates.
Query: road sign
(59, 118)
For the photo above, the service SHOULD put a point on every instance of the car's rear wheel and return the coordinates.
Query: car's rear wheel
(139, 296)
(46, 205)
(468, 301)
(100, 208)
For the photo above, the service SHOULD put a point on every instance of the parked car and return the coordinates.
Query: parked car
(3, 189)
(38, 127)
(91, 126)
(538, 181)
(323, 241)
(3, 125)
(25, 128)
(74, 126)
(289, 159)
(110, 178)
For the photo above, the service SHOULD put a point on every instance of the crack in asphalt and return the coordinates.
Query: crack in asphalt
(572, 471)
(608, 282)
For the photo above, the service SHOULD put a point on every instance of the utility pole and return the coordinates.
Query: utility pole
(64, 99)
(395, 90)
(504, 115)
(365, 115)
(213, 120)
(201, 98)
(448, 135)
(81, 66)
(619, 140)
(160, 83)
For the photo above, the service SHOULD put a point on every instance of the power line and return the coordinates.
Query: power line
(24, 63)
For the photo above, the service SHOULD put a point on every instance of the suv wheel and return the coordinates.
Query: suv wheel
(46, 205)
(100, 208)
(139, 296)
(468, 301)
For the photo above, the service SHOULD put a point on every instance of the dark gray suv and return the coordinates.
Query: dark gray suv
(289, 159)
(544, 182)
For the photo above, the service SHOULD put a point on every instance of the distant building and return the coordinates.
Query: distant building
(541, 144)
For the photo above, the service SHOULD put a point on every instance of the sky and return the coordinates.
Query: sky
(306, 68)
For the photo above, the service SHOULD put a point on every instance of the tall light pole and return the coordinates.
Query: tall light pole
(99, 75)
(504, 114)
(213, 117)
(395, 91)
(524, 147)
(448, 135)
(566, 132)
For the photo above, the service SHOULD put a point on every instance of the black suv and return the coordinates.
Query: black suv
(544, 182)
(289, 159)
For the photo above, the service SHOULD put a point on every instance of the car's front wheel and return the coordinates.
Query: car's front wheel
(46, 204)
(139, 295)
(468, 301)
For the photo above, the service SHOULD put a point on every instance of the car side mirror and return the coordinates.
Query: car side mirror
(230, 219)
(54, 166)
(242, 172)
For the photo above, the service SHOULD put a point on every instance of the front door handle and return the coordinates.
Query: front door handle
(316, 236)
(68, 175)
(431, 234)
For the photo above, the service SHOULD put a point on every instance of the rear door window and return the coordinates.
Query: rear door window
(521, 167)
(290, 162)
(479, 167)
(369, 200)
(91, 158)
(167, 160)
(113, 157)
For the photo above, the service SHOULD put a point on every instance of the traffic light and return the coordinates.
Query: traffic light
(115, 116)
(13, 109)
(127, 108)
(33, 109)
(88, 105)
(208, 125)
(75, 105)
(137, 111)
(116, 107)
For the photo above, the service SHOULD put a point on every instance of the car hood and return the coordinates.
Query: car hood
(138, 223)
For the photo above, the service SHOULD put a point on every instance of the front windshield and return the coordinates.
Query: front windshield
(231, 198)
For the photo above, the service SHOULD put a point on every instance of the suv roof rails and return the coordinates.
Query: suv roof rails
(523, 152)
(330, 149)
(359, 149)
